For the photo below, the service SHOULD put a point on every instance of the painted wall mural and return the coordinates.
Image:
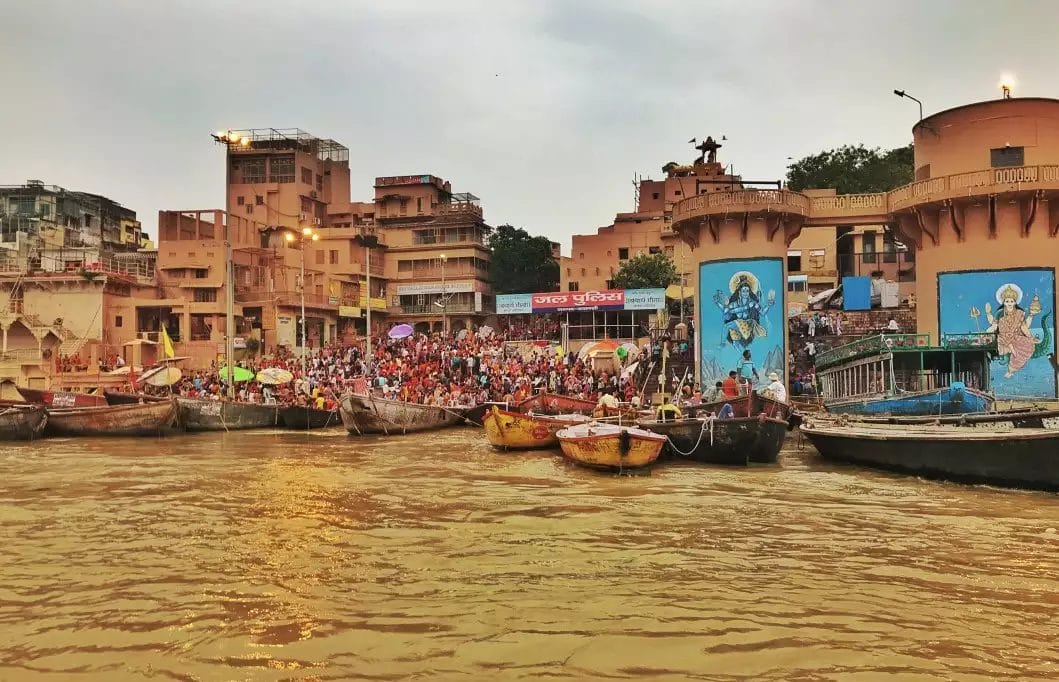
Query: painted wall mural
(741, 319)
(1019, 307)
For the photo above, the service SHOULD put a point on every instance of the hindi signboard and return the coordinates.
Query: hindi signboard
(581, 301)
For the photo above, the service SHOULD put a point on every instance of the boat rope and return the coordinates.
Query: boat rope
(707, 425)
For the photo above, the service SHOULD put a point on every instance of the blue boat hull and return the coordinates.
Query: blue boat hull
(949, 400)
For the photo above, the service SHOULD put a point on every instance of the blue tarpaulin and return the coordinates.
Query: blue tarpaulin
(856, 293)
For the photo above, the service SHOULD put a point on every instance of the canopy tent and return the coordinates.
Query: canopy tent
(240, 374)
(274, 375)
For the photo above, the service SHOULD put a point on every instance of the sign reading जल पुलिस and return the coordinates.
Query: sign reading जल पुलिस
(581, 301)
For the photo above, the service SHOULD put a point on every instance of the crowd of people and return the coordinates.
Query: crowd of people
(428, 369)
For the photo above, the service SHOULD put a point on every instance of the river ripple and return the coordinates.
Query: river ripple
(271, 555)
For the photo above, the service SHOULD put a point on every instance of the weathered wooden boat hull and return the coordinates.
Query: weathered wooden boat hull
(508, 430)
(219, 415)
(119, 398)
(22, 422)
(304, 418)
(1026, 458)
(60, 398)
(734, 442)
(746, 406)
(369, 415)
(607, 451)
(552, 403)
(1018, 419)
(147, 419)
(942, 401)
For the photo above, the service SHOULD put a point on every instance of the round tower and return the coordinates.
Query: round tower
(983, 219)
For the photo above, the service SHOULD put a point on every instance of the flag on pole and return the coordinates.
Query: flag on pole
(167, 344)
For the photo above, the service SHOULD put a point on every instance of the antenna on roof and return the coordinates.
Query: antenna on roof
(636, 177)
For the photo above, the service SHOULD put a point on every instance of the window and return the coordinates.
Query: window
(334, 256)
(319, 257)
(623, 254)
(796, 285)
(571, 286)
(281, 168)
(654, 195)
(669, 251)
(581, 255)
(259, 200)
(307, 175)
(889, 248)
(253, 170)
(568, 272)
(654, 249)
(201, 273)
(117, 321)
(610, 284)
(816, 259)
(249, 208)
(1004, 157)
(319, 182)
(677, 192)
(582, 272)
(794, 262)
(868, 247)
(923, 172)
(205, 295)
(419, 204)
(597, 271)
(239, 201)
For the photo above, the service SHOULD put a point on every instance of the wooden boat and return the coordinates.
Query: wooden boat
(737, 441)
(147, 419)
(1017, 419)
(302, 417)
(22, 422)
(955, 399)
(609, 446)
(120, 398)
(552, 403)
(509, 430)
(475, 416)
(219, 415)
(365, 414)
(1022, 458)
(60, 398)
(746, 406)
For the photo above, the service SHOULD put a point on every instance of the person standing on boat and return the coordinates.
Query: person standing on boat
(747, 371)
(715, 394)
(775, 390)
(730, 386)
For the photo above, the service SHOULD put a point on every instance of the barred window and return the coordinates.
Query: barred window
(281, 169)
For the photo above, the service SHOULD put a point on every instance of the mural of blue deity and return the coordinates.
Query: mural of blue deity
(741, 325)
(1023, 320)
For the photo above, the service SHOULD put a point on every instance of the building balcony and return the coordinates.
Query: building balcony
(435, 274)
(431, 309)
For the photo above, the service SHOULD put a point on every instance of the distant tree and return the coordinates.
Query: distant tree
(646, 271)
(521, 263)
(853, 170)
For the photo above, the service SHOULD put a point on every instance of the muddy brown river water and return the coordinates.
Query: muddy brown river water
(276, 555)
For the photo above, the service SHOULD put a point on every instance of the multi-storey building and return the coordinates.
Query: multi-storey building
(48, 228)
(438, 256)
(816, 260)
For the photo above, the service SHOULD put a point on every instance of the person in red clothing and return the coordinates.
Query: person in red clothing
(730, 386)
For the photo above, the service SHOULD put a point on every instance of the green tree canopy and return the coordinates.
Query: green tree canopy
(521, 263)
(646, 271)
(853, 170)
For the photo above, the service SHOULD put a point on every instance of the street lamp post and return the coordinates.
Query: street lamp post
(902, 93)
(369, 242)
(307, 235)
(228, 138)
(444, 299)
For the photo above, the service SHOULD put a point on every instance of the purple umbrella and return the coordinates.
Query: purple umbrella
(400, 331)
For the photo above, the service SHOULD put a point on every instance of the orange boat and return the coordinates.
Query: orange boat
(609, 446)
(509, 430)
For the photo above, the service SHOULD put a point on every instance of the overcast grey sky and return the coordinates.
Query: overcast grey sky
(544, 108)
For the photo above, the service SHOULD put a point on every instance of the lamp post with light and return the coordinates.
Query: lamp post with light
(444, 298)
(1007, 84)
(307, 236)
(902, 93)
(229, 139)
(369, 242)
